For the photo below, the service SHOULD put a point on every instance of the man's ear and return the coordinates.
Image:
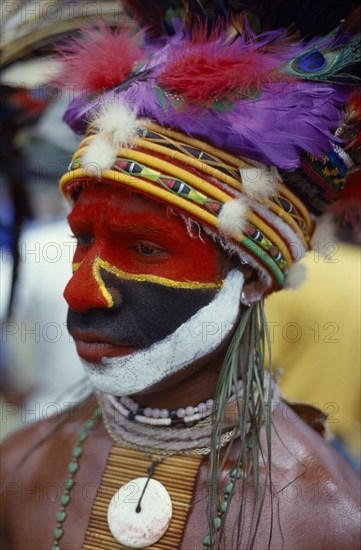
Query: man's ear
(254, 288)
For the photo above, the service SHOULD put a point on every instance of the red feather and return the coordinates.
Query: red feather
(347, 209)
(353, 120)
(206, 72)
(99, 59)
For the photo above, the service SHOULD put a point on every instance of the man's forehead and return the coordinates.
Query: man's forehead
(122, 210)
(112, 204)
(119, 220)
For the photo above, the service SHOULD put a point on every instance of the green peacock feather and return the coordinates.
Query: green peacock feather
(326, 62)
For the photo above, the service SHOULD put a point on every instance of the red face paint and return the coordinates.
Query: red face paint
(137, 236)
(139, 275)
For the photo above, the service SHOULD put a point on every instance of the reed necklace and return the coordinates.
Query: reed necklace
(135, 510)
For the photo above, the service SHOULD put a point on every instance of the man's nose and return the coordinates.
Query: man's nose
(89, 288)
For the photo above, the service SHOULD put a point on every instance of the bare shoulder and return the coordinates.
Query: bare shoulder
(33, 442)
(34, 468)
(317, 494)
(295, 441)
(38, 438)
(311, 499)
(20, 442)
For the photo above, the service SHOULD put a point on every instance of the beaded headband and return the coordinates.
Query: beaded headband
(236, 134)
(187, 174)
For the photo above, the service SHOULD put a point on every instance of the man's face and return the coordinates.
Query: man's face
(147, 300)
(138, 274)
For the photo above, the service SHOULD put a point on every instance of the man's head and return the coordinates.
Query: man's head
(148, 298)
(248, 155)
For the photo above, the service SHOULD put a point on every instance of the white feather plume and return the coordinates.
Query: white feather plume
(118, 121)
(259, 182)
(100, 155)
(233, 217)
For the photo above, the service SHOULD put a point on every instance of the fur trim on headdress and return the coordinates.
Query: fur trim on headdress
(259, 181)
(118, 121)
(233, 217)
(99, 155)
(118, 126)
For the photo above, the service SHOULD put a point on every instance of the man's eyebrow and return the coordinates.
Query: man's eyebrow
(140, 229)
(147, 229)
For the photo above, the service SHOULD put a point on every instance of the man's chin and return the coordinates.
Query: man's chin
(94, 352)
(121, 370)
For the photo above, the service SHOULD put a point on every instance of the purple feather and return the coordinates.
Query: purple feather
(75, 115)
(287, 118)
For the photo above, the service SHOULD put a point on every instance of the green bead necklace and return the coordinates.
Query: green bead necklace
(228, 490)
(73, 467)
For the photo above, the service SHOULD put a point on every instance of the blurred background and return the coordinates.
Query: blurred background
(40, 370)
(315, 331)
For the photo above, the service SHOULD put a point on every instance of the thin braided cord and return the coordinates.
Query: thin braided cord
(211, 169)
(206, 166)
(232, 160)
(226, 157)
(254, 411)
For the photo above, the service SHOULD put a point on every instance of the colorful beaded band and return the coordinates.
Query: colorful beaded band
(207, 180)
(197, 212)
(286, 205)
(227, 163)
(320, 180)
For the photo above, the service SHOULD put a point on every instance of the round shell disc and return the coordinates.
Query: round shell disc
(143, 528)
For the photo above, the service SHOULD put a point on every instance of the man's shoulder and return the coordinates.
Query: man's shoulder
(18, 444)
(313, 485)
(297, 446)
(30, 443)
(35, 466)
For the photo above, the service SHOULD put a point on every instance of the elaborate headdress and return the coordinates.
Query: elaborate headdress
(236, 131)
(240, 133)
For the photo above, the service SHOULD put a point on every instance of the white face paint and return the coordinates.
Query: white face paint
(200, 335)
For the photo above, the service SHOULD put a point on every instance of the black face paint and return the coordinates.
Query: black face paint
(143, 312)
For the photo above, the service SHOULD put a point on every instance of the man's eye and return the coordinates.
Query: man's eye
(146, 249)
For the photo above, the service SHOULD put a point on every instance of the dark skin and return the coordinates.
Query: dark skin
(315, 501)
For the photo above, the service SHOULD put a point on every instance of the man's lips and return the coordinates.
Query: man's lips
(93, 347)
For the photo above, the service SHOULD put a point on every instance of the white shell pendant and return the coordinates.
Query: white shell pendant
(145, 527)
